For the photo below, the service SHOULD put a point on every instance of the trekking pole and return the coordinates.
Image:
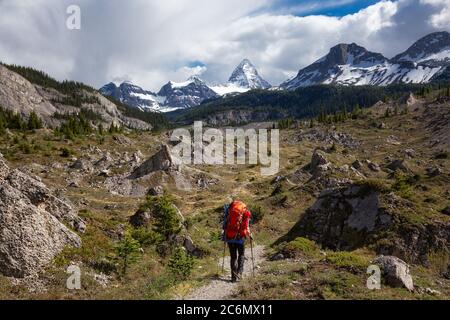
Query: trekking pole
(253, 259)
(223, 260)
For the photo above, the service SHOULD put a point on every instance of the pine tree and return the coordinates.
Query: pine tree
(127, 252)
(34, 122)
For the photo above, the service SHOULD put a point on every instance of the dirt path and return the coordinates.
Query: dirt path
(222, 288)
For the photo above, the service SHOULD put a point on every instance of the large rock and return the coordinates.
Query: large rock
(343, 218)
(81, 164)
(40, 196)
(140, 219)
(31, 231)
(156, 191)
(319, 163)
(160, 161)
(398, 165)
(355, 216)
(395, 272)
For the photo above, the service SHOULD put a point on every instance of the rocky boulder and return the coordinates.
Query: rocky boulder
(319, 163)
(156, 191)
(160, 161)
(81, 164)
(32, 230)
(105, 161)
(373, 166)
(398, 164)
(140, 219)
(343, 218)
(395, 272)
(433, 171)
(354, 216)
(40, 196)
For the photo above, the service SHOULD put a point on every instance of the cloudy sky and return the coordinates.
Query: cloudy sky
(151, 42)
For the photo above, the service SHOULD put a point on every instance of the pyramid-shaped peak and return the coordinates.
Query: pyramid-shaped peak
(245, 75)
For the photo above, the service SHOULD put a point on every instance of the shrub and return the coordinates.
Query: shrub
(333, 147)
(25, 147)
(127, 252)
(168, 222)
(373, 184)
(145, 237)
(300, 246)
(258, 213)
(278, 189)
(348, 260)
(66, 152)
(34, 122)
(181, 264)
(403, 184)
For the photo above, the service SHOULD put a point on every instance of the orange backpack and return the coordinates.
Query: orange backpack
(236, 223)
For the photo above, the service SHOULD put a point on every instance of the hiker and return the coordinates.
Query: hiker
(235, 230)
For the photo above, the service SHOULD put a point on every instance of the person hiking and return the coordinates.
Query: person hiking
(236, 229)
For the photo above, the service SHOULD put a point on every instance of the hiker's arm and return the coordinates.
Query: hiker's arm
(247, 224)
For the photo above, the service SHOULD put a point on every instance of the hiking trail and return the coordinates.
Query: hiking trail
(222, 288)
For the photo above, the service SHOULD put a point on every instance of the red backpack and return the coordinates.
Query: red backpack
(237, 221)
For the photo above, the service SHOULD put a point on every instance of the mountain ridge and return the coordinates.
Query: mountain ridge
(187, 94)
(351, 64)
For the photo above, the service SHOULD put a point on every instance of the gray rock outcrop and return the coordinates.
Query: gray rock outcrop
(347, 218)
(160, 161)
(343, 218)
(32, 229)
(395, 272)
(319, 163)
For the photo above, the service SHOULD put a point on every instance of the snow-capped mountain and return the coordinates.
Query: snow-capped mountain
(345, 64)
(432, 50)
(350, 64)
(172, 96)
(182, 95)
(245, 77)
(186, 94)
(132, 95)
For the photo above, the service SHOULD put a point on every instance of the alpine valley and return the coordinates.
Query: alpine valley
(90, 181)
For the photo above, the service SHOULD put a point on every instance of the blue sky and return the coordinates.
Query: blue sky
(337, 8)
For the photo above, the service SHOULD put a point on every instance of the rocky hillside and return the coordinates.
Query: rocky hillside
(25, 91)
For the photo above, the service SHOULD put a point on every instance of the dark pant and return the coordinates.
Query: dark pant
(237, 254)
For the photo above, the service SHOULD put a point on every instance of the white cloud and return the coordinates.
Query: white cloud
(442, 18)
(151, 42)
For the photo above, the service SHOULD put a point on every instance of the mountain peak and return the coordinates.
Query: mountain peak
(245, 75)
(351, 54)
(434, 46)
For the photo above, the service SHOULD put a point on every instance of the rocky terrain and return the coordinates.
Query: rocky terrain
(370, 189)
(25, 97)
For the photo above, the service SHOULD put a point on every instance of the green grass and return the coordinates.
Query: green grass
(353, 261)
(301, 247)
